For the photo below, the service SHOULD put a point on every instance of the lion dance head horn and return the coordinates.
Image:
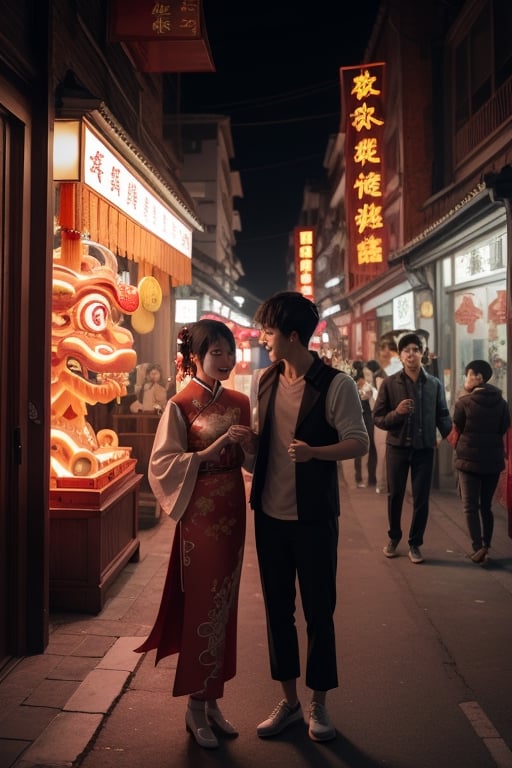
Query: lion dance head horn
(126, 296)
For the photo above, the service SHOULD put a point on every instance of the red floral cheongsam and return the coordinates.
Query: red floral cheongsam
(197, 617)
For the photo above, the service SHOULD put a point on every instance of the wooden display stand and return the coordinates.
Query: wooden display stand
(137, 430)
(93, 534)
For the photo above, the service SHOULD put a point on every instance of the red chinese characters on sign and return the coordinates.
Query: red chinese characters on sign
(497, 312)
(468, 313)
(304, 261)
(97, 165)
(363, 123)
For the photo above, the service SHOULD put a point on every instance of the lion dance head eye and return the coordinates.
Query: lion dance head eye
(92, 313)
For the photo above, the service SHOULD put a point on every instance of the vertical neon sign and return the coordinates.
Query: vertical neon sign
(363, 123)
(304, 261)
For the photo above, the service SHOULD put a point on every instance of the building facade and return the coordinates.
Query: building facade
(60, 63)
(447, 152)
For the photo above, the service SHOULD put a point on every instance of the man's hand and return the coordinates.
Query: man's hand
(299, 451)
(405, 407)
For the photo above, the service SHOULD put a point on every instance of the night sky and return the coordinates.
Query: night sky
(277, 78)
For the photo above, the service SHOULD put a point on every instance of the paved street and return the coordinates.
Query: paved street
(424, 659)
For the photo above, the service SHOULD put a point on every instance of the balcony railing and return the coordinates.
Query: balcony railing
(493, 115)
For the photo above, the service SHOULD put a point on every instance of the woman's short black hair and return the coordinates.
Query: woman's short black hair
(206, 332)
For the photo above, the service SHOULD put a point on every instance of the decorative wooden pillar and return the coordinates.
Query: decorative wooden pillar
(71, 247)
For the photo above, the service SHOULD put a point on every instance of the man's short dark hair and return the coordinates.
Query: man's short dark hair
(289, 311)
(388, 344)
(481, 367)
(409, 338)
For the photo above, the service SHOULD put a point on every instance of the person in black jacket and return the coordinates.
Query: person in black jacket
(481, 419)
(410, 406)
(309, 418)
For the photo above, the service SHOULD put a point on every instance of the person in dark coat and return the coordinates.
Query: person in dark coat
(481, 419)
(410, 406)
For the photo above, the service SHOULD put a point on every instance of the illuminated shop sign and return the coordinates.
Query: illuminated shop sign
(106, 175)
(147, 20)
(304, 261)
(363, 123)
(162, 37)
(403, 310)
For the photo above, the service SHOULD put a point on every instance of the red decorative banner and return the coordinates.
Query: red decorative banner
(363, 123)
(304, 238)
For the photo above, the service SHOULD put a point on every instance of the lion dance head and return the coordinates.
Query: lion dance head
(92, 355)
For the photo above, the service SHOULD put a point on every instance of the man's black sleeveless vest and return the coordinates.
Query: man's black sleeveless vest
(316, 481)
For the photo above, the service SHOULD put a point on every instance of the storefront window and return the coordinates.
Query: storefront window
(481, 330)
(479, 261)
(474, 325)
(384, 319)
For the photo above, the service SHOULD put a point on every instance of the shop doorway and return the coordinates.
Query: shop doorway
(12, 150)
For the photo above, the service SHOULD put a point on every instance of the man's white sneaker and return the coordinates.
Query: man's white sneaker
(320, 725)
(282, 716)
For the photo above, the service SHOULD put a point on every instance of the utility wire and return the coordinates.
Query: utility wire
(292, 161)
(280, 98)
(287, 121)
(261, 238)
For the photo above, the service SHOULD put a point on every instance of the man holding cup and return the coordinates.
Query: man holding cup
(410, 405)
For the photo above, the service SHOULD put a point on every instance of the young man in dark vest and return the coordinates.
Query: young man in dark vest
(309, 417)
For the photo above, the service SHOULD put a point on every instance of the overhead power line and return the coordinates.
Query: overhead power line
(284, 121)
(291, 161)
(281, 98)
(278, 98)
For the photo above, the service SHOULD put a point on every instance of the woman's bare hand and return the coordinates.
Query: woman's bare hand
(244, 436)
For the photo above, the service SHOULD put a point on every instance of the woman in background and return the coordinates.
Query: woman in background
(152, 395)
(389, 362)
(367, 393)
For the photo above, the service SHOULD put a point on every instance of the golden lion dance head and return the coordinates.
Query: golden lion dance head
(92, 355)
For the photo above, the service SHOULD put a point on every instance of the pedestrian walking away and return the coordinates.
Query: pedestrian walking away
(481, 421)
(309, 417)
(410, 405)
(195, 473)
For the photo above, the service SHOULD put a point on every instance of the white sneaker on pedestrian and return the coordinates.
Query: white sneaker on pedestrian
(415, 555)
(281, 717)
(320, 725)
(390, 548)
(480, 555)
